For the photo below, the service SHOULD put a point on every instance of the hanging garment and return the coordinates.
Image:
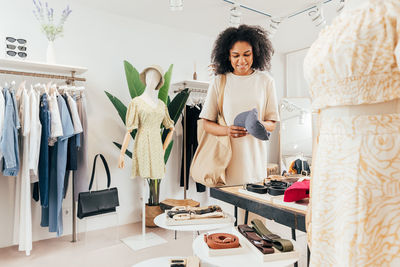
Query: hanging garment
(147, 154)
(9, 140)
(34, 135)
(73, 109)
(2, 109)
(352, 67)
(23, 179)
(72, 151)
(43, 170)
(56, 124)
(58, 162)
(192, 115)
(242, 93)
(81, 174)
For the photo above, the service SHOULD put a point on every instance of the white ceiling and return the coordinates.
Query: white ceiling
(207, 17)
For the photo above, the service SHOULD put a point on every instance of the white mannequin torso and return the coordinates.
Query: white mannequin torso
(150, 95)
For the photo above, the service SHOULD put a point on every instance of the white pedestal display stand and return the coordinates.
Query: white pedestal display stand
(144, 240)
(246, 257)
(161, 219)
(157, 262)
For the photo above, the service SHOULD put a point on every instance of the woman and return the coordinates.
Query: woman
(241, 54)
(353, 69)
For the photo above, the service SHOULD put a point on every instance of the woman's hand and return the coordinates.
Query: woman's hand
(236, 131)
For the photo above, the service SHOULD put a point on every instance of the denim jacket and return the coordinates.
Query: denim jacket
(9, 140)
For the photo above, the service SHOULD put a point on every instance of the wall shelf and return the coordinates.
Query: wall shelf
(12, 64)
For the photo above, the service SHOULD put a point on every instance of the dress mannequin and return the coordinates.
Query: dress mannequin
(153, 81)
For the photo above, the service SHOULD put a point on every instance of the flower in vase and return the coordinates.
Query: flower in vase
(45, 16)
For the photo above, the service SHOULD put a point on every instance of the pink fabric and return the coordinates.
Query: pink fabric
(297, 191)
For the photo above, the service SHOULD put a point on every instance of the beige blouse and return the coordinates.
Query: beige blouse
(147, 154)
(349, 65)
(243, 93)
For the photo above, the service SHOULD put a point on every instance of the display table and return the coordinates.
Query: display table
(245, 258)
(280, 213)
(160, 221)
(157, 262)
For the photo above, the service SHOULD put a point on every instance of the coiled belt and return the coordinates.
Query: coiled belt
(221, 241)
(283, 245)
(270, 188)
(263, 245)
(257, 188)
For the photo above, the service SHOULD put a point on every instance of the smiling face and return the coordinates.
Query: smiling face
(241, 58)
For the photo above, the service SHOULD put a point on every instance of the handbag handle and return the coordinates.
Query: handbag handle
(221, 95)
(94, 170)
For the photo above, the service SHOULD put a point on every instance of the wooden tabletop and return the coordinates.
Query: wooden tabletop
(289, 216)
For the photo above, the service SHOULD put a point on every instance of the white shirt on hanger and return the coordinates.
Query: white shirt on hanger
(74, 114)
(55, 126)
(35, 134)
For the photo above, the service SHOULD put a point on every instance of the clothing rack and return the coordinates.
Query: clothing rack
(70, 80)
(192, 86)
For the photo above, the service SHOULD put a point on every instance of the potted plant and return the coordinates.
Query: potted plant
(175, 107)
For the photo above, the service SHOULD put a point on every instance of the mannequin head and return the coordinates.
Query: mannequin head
(152, 77)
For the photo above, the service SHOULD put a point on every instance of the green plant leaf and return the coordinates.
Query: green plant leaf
(163, 93)
(136, 87)
(127, 152)
(168, 151)
(119, 106)
(177, 104)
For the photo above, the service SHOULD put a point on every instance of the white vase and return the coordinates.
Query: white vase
(50, 53)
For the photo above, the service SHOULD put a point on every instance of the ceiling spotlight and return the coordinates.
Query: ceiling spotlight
(175, 5)
(273, 25)
(317, 15)
(341, 6)
(236, 16)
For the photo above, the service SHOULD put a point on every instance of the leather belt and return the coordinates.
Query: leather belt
(276, 190)
(257, 188)
(221, 241)
(263, 245)
(279, 243)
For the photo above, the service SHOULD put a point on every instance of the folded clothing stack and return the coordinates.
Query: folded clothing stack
(297, 191)
(188, 213)
(263, 239)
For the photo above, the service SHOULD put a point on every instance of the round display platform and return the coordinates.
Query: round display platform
(160, 221)
(246, 257)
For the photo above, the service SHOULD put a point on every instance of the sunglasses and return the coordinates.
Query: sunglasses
(12, 40)
(13, 53)
(20, 47)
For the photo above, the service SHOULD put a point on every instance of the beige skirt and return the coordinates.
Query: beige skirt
(355, 190)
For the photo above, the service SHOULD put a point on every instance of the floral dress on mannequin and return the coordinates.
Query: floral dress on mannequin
(147, 154)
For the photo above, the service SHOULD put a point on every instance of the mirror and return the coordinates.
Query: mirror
(295, 133)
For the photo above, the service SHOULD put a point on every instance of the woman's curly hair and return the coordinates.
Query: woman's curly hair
(254, 35)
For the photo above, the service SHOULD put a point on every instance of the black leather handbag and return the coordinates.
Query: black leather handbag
(98, 202)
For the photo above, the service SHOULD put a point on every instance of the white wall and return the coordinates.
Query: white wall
(101, 41)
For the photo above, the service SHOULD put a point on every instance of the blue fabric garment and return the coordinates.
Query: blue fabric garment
(9, 140)
(72, 161)
(44, 116)
(58, 163)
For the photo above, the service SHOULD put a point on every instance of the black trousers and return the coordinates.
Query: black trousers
(192, 115)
